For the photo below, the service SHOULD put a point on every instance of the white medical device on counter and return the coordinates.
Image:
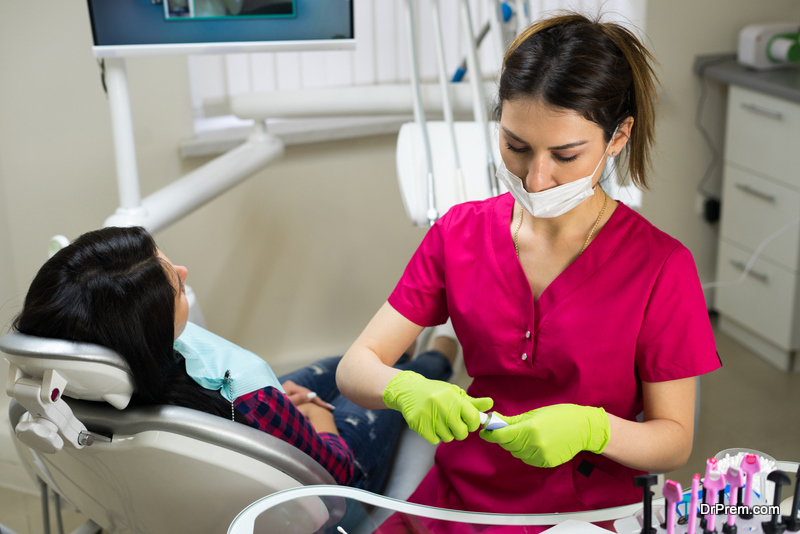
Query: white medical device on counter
(769, 46)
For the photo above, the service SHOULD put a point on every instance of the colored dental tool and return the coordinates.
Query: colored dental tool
(750, 465)
(714, 483)
(491, 421)
(691, 515)
(673, 493)
(735, 479)
(792, 523)
(645, 481)
(774, 526)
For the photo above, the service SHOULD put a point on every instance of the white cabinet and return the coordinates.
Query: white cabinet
(761, 194)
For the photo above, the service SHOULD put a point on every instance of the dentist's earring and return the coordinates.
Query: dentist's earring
(613, 154)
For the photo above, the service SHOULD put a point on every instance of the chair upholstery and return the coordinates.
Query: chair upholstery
(156, 469)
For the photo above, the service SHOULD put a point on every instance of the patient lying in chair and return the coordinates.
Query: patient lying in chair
(113, 287)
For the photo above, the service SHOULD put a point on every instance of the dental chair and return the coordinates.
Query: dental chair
(150, 469)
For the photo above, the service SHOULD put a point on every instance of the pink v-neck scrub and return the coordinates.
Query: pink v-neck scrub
(629, 309)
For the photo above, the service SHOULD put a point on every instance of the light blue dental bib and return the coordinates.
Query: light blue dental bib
(209, 358)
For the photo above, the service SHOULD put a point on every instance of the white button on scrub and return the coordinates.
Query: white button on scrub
(528, 334)
(524, 356)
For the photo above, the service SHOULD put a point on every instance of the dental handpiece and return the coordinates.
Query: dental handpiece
(491, 421)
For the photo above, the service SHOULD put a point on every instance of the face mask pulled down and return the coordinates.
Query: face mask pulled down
(552, 202)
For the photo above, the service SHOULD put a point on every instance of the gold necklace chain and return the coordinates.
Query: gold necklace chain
(586, 244)
(516, 232)
(605, 201)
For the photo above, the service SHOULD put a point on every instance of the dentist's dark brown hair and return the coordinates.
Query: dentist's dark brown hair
(599, 70)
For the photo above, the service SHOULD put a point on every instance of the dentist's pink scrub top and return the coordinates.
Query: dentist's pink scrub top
(629, 309)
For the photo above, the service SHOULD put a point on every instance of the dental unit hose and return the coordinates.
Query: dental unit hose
(746, 269)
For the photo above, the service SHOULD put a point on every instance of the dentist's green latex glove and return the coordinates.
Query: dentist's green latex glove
(436, 410)
(552, 435)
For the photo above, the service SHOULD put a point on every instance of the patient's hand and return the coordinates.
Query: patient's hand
(320, 418)
(299, 395)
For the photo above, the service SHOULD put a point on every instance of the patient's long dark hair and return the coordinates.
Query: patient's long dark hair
(109, 287)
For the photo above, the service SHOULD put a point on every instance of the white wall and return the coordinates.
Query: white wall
(293, 263)
(678, 31)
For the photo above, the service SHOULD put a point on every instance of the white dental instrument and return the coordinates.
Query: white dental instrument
(491, 421)
(419, 113)
(735, 478)
(446, 106)
(479, 94)
(714, 483)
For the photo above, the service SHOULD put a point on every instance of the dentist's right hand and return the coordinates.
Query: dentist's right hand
(436, 410)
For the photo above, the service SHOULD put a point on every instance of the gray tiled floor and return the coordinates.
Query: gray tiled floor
(22, 513)
(747, 403)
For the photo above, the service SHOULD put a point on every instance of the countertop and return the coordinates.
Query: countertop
(781, 83)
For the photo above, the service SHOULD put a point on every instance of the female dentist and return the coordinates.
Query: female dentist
(574, 312)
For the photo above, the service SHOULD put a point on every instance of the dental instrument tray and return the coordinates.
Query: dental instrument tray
(741, 492)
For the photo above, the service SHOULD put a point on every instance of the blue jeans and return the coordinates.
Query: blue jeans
(371, 434)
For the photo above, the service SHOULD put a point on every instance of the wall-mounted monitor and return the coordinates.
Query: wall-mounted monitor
(154, 27)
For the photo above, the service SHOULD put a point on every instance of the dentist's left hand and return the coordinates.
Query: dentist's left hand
(436, 410)
(552, 435)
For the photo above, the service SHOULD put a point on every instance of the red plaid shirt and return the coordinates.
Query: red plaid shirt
(271, 411)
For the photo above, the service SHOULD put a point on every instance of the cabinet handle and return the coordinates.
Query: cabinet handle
(777, 115)
(755, 192)
(755, 274)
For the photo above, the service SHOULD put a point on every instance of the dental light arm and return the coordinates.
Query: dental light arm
(183, 196)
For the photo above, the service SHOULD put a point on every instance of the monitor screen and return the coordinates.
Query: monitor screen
(151, 27)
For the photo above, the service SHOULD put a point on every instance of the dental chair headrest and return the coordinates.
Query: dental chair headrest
(92, 372)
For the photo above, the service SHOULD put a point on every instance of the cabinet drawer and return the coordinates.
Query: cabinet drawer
(763, 134)
(753, 208)
(764, 302)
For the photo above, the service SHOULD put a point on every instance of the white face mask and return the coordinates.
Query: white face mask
(554, 201)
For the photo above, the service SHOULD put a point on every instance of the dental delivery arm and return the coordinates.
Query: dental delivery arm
(436, 410)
